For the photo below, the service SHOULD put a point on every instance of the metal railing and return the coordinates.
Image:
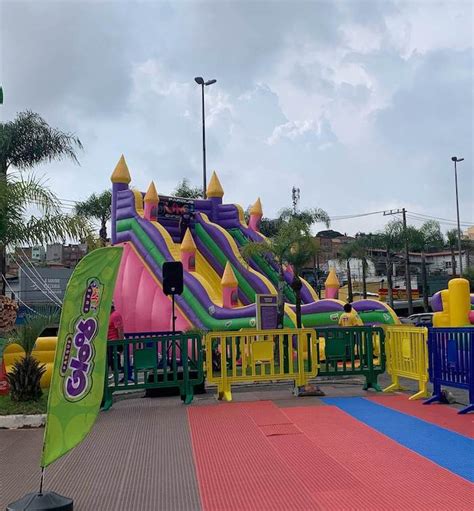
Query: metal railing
(260, 355)
(165, 360)
(451, 359)
(407, 357)
(352, 352)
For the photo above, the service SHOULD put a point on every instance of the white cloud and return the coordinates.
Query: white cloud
(358, 103)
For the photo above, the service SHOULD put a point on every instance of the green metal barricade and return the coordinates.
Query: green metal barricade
(354, 351)
(172, 360)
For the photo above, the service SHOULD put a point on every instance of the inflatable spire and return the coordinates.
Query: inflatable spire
(121, 173)
(151, 201)
(188, 252)
(214, 188)
(332, 285)
(229, 287)
(256, 214)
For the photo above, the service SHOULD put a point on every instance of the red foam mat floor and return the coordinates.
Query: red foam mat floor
(439, 414)
(256, 456)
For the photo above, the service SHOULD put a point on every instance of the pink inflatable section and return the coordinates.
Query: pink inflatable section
(140, 299)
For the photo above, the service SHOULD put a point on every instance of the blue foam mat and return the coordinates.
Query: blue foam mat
(445, 448)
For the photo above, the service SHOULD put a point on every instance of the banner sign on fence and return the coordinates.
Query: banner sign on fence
(267, 312)
(77, 382)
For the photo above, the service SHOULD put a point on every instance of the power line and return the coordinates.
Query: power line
(357, 215)
(440, 219)
(411, 214)
(36, 284)
(35, 271)
(16, 297)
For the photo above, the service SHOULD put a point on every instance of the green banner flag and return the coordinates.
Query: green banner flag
(77, 382)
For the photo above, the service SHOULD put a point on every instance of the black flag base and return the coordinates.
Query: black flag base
(42, 501)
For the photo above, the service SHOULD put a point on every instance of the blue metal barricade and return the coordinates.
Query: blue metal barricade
(451, 361)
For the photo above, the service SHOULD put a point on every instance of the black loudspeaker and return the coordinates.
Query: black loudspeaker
(173, 278)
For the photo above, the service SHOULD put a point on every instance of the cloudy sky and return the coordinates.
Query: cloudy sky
(358, 103)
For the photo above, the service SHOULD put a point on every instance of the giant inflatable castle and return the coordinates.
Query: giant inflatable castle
(220, 287)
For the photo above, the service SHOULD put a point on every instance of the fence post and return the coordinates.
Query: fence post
(107, 399)
(371, 377)
(452, 362)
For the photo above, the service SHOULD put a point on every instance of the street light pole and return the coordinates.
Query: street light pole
(455, 159)
(200, 81)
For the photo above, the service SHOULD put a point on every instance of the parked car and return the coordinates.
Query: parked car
(423, 319)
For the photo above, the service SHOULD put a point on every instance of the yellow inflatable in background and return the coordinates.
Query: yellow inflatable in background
(43, 351)
(456, 302)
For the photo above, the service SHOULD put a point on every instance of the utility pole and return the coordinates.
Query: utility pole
(200, 81)
(407, 256)
(407, 264)
(455, 159)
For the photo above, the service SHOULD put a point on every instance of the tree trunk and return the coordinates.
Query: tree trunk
(3, 269)
(296, 285)
(453, 262)
(350, 295)
(364, 279)
(3, 248)
(424, 279)
(389, 281)
(103, 233)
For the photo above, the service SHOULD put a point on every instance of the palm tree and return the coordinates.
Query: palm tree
(348, 252)
(25, 142)
(29, 140)
(98, 207)
(390, 240)
(17, 195)
(291, 245)
(429, 238)
(362, 244)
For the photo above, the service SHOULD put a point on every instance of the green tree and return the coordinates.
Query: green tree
(347, 253)
(428, 237)
(469, 275)
(187, 191)
(291, 245)
(269, 226)
(452, 239)
(361, 246)
(27, 141)
(98, 207)
(391, 240)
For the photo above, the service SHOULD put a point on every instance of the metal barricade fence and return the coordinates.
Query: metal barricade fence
(351, 352)
(407, 357)
(170, 360)
(451, 359)
(260, 355)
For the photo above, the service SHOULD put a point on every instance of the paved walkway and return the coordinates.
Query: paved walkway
(138, 456)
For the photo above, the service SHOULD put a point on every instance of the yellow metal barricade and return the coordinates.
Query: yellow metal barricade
(407, 357)
(260, 355)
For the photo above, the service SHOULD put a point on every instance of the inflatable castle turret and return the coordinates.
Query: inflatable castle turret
(256, 214)
(188, 252)
(229, 287)
(151, 202)
(332, 285)
(214, 193)
(120, 180)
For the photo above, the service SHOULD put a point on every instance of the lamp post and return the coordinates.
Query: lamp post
(455, 159)
(200, 81)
